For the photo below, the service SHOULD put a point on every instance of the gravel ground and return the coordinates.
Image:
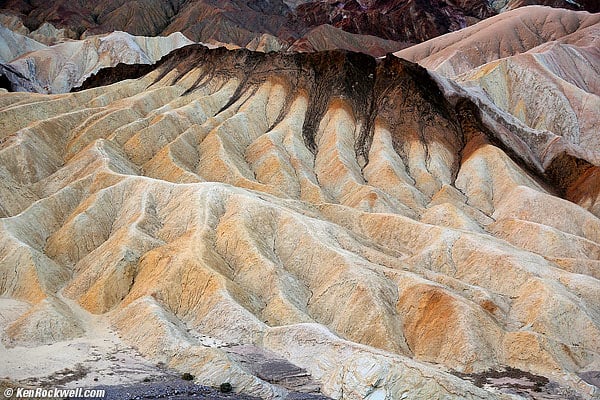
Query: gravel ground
(172, 389)
(521, 383)
(175, 388)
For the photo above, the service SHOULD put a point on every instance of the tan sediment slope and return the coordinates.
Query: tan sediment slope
(334, 212)
(58, 68)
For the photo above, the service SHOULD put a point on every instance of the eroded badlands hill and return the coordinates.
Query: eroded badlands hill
(28, 65)
(383, 24)
(544, 73)
(529, 29)
(353, 218)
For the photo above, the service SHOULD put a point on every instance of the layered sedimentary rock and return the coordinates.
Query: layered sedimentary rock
(59, 68)
(361, 224)
(409, 21)
(506, 35)
(580, 5)
(327, 37)
(46, 33)
(241, 23)
(544, 74)
(382, 26)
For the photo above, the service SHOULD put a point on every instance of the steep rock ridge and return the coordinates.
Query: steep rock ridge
(545, 75)
(241, 23)
(58, 68)
(327, 37)
(357, 218)
(408, 21)
(233, 20)
(46, 33)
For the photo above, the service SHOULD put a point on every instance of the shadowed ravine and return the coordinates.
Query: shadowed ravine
(363, 223)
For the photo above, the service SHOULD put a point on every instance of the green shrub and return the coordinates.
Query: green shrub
(225, 387)
(187, 376)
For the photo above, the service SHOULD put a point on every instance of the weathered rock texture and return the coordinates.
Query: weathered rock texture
(57, 69)
(383, 23)
(46, 33)
(232, 22)
(12, 45)
(404, 20)
(545, 74)
(528, 29)
(581, 5)
(367, 226)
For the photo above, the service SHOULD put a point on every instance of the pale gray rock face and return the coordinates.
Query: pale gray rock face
(59, 68)
(49, 34)
(292, 4)
(12, 45)
(286, 222)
